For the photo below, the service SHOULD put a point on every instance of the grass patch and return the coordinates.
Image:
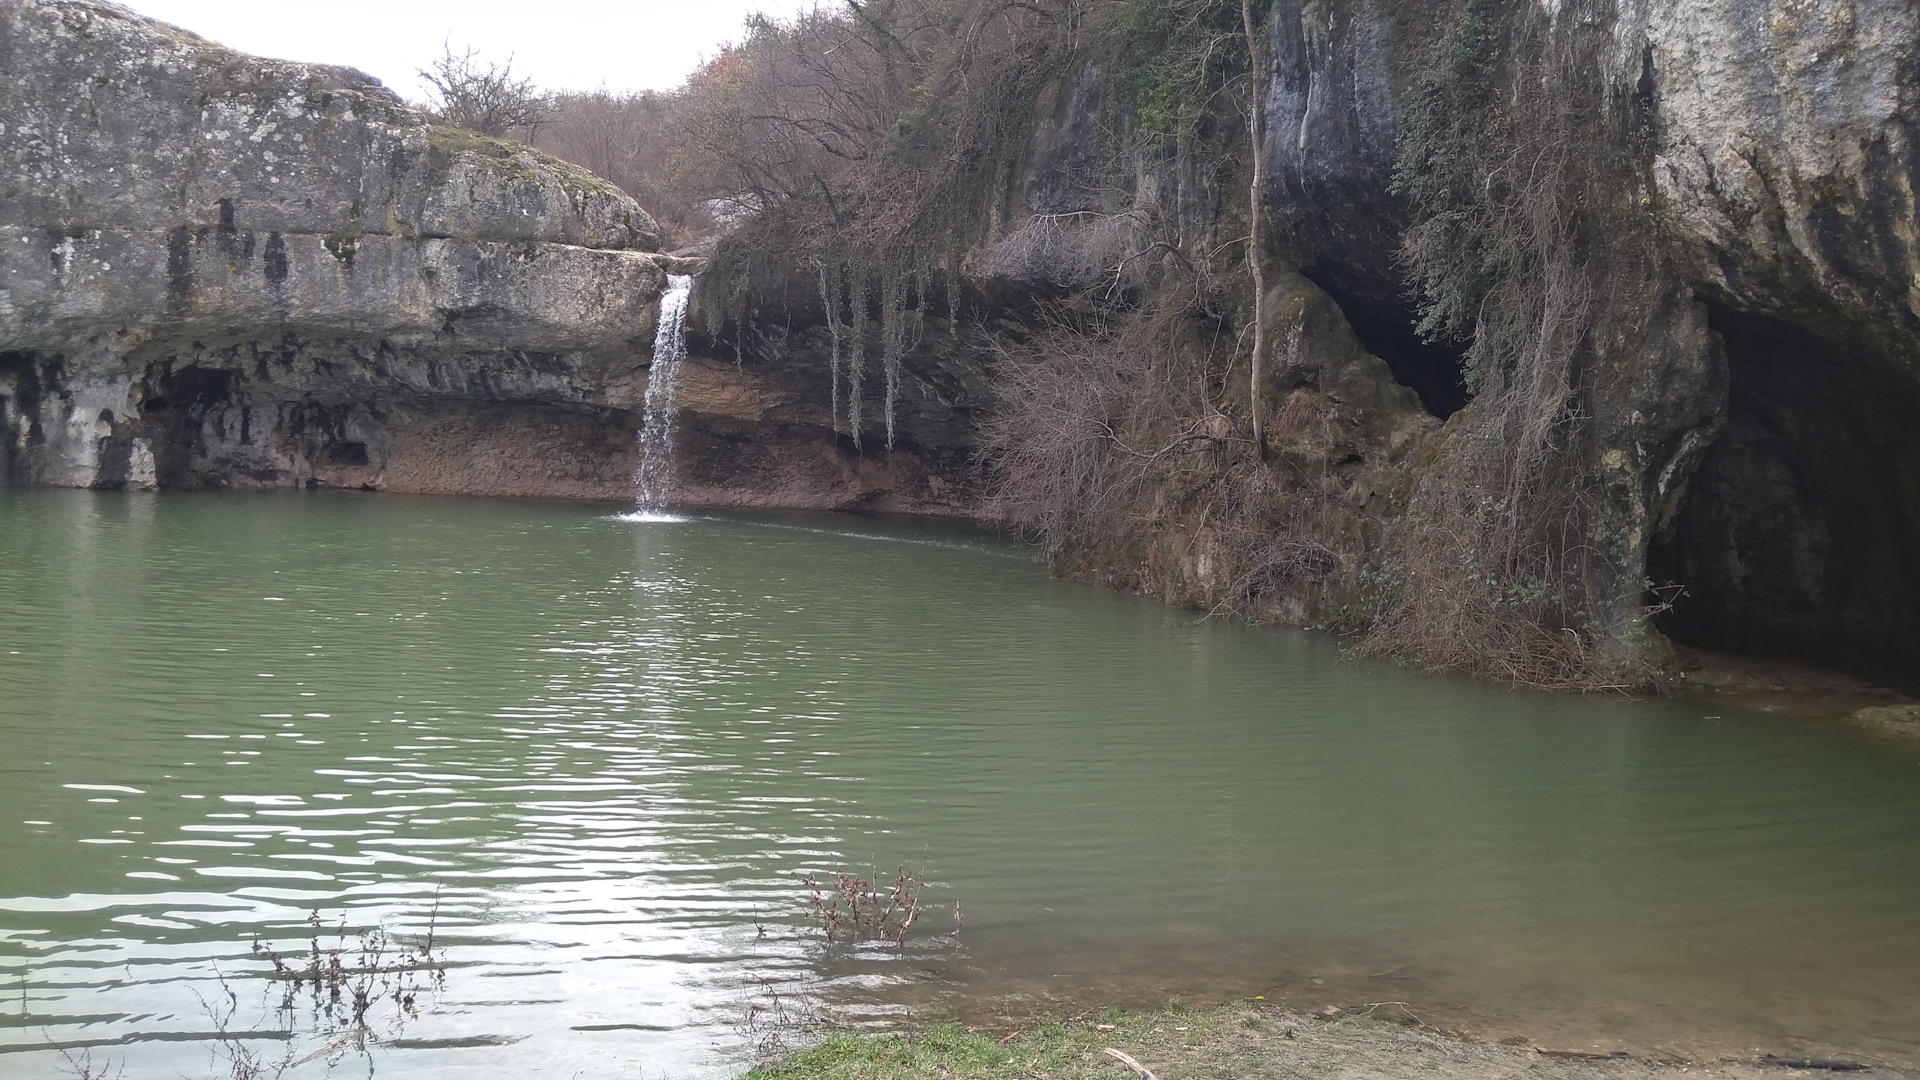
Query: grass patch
(1176, 1041)
(1243, 1040)
(940, 1051)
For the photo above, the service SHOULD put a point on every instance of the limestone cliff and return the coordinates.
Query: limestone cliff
(1749, 390)
(218, 270)
(1724, 411)
(1696, 365)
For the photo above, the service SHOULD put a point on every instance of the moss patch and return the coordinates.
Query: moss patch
(1169, 60)
(510, 160)
(345, 244)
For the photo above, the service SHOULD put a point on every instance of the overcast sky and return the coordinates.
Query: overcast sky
(569, 44)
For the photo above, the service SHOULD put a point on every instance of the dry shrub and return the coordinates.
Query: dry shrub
(627, 139)
(1094, 411)
(857, 137)
(1112, 445)
(472, 92)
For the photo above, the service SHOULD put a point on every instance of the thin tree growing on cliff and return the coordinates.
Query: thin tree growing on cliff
(482, 96)
(1256, 247)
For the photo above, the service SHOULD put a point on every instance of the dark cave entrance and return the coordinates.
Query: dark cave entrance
(20, 393)
(1437, 373)
(1799, 535)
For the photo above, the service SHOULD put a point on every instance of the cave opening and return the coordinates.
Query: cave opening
(1797, 536)
(20, 393)
(1385, 327)
(347, 453)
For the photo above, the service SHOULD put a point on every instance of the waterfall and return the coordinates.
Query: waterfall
(654, 478)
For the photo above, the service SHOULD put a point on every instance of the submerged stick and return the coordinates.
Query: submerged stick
(1123, 1058)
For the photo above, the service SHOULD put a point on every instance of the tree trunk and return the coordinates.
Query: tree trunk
(1256, 248)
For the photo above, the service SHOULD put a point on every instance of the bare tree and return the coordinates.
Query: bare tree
(1256, 245)
(628, 139)
(483, 96)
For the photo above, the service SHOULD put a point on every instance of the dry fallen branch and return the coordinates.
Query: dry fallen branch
(1126, 1059)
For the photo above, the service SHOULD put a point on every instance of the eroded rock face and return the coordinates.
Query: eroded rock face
(759, 429)
(1749, 391)
(219, 270)
(1785, 165)
(1751, 396)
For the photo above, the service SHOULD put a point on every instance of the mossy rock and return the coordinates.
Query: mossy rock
(1902, 720)
(344, 244)
(509, 160)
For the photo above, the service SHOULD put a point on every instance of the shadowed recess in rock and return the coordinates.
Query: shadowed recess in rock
(1796, 536)
(1435, 371)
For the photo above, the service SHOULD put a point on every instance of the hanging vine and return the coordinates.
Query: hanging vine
(857, 275)
(892, 337)
(832, 286)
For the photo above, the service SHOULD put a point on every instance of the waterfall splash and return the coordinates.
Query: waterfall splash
(654, 478)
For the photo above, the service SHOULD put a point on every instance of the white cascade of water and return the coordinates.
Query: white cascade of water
(654, 477)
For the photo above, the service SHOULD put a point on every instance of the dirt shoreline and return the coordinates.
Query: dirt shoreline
(1800, 691)
(1245, 1040)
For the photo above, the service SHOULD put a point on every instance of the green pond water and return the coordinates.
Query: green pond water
(595, 752)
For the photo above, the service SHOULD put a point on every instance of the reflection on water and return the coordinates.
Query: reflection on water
(607, 745)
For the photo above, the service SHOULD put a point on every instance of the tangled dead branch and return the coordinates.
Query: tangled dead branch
(1079, 250)
(1113, 444)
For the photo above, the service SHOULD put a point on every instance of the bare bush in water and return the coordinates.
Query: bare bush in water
(776, 1022)
(851, 909)
(334, 996)
(79, 1063)
(846, 910)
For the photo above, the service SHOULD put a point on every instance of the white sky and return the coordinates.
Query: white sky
(567, 45)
